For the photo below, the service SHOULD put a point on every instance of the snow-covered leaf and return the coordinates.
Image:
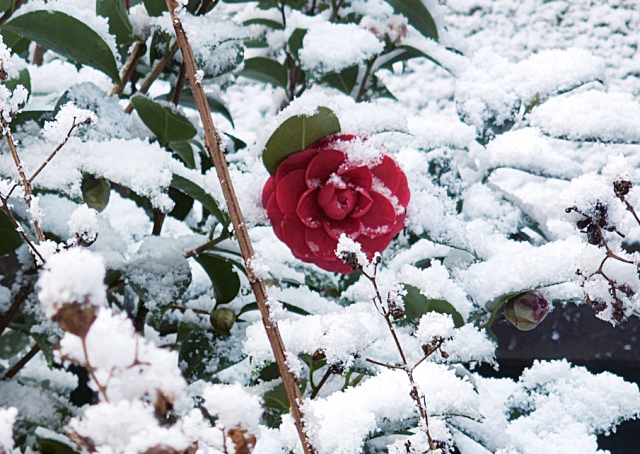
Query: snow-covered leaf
(265, 70)
(119, 25)
(68, 37)
(164, 121)
(416, 305)
(418, 15)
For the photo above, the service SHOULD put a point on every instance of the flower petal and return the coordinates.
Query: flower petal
(402, 193)
(336, 266)
(295, 161)
(358, 177)
(289, 191)
(388, 173)
(293, 232)
(275, 215)
(349, 226)
(268, 190)
(326, 162)
(363, 204)
(320, 243)
(372, 245)
(380, 218)
(308, 210)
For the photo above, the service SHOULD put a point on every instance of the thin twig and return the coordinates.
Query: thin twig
(137, 51)
(9, 374)
(53, 153)
(155, 72)
(19, 229)
(365, 78)
(28, 194)
(325, 377)
(206, 246)
(177, 91)
(18, 299)
(420, 401)
(217, 156)
(390, 366)
(91, 370)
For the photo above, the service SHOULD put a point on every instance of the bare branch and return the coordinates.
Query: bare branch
(28, 194)
(217, 156)
(137, 51)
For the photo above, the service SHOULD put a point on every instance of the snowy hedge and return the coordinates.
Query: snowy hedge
(288, 226)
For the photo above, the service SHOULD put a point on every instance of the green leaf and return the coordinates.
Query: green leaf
(296, 134)
(17, 43)
(407, 53)
(418, 16)
(268, 22)
(295, 41)
(155, 7)
(68, 37)
(215, 104)
(265, 70)
(185, 152)
(183, 204)
(10, 240)
(23, 79)
(195, 191)
(53, 446)
(224, 279)
(344, 80)
(287, 306)
(416, 305)
(5, 4)
(116, 13)
(95, 192)
(167, 124)
(13, 342)
(200, 352)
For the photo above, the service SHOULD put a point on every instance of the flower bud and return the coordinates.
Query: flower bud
(222, 320)
(527, 310)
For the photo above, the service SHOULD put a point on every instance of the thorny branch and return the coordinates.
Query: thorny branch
(217, 156)
(389, 314)
(594, 226)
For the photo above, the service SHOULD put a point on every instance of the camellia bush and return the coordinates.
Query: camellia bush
(278, 226)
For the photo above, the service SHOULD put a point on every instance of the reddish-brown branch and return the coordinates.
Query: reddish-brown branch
(28, 194)
(137, 51)
(17, 367)
(217, 156)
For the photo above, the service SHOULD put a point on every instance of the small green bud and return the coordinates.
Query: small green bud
(222, 320)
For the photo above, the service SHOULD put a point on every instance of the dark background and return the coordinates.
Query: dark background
(574, 332)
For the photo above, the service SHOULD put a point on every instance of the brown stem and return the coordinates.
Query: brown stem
(334, 15)
(217, 156)
(158, 222)
(137, 51)
(53, 153)
(325, 377)
(155, 72)
(177, 91)
(21, 363)
(38, 55)
(5, 17)
(91, 370)
(18, 299)
(208, 245)
(633, 211)
(365, 78)
(28, 194)
(390, 366)
(420, 402)
(19, 229)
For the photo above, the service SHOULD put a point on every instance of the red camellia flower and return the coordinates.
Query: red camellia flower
(321, 192)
